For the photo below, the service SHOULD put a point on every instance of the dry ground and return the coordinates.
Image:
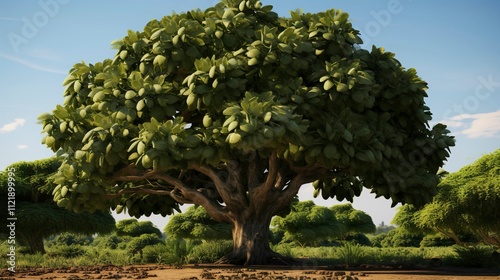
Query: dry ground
(232, 273)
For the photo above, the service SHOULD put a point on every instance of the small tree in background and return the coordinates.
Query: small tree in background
(467, 203)
(307, 224)
(38, 216)
(353, 221)
(195, 223)
(235, 109)
(135, 228)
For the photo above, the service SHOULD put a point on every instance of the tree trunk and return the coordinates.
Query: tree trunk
(251, 242)
(34, 242)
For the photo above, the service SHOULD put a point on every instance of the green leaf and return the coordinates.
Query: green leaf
(341, 87)
(328, 84)
(159, 60)
(234, 138)
(99, 96)
(130, 94)
(330, 151)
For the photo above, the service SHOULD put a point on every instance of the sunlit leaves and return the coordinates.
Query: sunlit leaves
(210, 86)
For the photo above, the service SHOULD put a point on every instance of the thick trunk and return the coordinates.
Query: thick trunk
(34, 243)
(251, 243)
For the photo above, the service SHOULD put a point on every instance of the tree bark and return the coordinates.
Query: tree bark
(34, 243)
(251, 242)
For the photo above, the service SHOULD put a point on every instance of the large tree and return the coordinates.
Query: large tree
(38, 216)
(467, 203)
(234, 109)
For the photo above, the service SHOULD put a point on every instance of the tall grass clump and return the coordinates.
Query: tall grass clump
(351, 254)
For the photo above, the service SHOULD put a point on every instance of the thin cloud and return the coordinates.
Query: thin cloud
(485, 125)
(12, 126)
(30, 64)
(22, 147)
(45, 54)
(10, 19)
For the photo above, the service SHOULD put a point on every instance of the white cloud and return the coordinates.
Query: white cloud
(45, 54)
(30, 64)
(12, 126)
(22, 147)
(477, 125)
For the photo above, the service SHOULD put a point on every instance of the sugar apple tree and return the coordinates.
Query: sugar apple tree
(235, 109)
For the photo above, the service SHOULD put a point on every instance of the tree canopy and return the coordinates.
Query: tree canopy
(135, 228)
(307, 224)
(38, 215)
(235, 108)
(353, 221)
(467, 203)
(195, 223)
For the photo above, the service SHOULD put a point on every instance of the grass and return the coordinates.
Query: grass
(354, 254)
(346, 254)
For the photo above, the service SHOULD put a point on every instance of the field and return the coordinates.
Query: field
(230, 272)
(344, 262)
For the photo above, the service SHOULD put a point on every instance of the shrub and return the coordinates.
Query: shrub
(475, 256)
(138, 243)
(158, 254)
(209, 251)
(436, 240)
(284, 249)
(377, 240)
(111, 241)
(65, 251)
(358, 238)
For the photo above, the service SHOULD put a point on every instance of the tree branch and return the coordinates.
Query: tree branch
(187, 195)
(272, 171)
(131, 173)
(138, 191)
(291, 191)
(232, 197)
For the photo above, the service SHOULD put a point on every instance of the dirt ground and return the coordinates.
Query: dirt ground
(233, 273)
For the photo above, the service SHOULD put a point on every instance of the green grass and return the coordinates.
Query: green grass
(346, 254)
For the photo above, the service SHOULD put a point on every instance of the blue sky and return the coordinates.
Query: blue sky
(453, 45)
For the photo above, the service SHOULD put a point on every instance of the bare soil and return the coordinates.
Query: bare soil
(222, 272)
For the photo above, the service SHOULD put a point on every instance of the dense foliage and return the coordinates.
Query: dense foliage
(37, 214)
(308, 224)
(234, 109)
(195, 223)
(467, 204)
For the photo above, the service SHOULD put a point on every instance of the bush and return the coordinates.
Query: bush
(377, 240)
(65, 251)
(70, 239)
(111, 241)
(158, 254)
(476, 256)
(138, 243)
(209, 251)
(358, 238)
(436, 240)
